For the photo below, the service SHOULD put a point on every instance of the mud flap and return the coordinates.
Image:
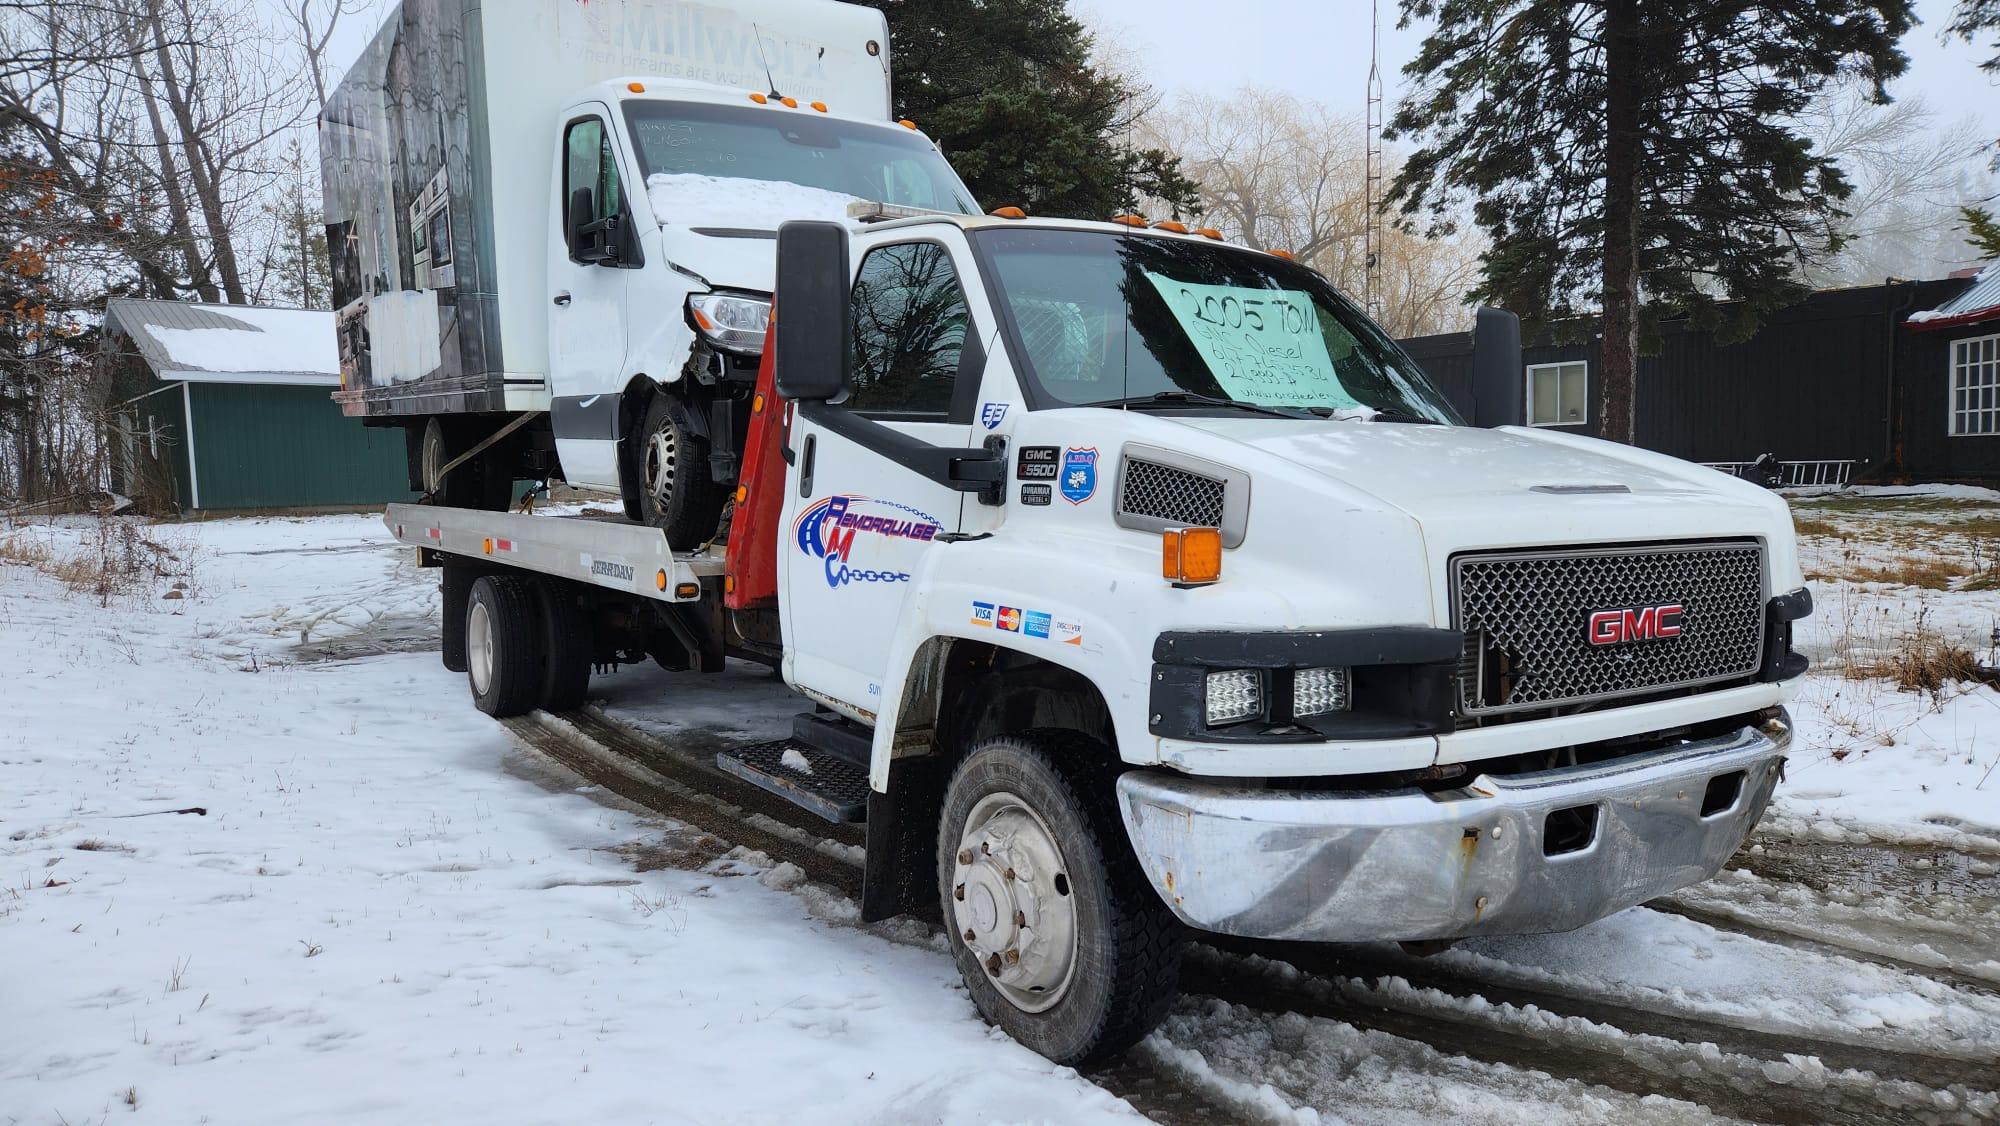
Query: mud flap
(899, 876)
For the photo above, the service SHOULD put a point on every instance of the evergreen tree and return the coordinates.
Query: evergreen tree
(1007, 88)
(1982, 230)
(297, 270)
(1638, 155)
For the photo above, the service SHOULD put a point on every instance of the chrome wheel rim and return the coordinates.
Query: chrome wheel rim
(479, 647)
(662, 458)
(1012, 902)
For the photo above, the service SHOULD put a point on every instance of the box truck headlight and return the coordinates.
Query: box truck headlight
(1233, 695)
(731, 321)
(1319, 691)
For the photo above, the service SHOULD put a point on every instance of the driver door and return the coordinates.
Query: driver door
(859, 527)
(586, 305)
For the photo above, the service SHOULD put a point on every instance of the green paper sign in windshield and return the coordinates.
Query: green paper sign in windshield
(1263, 345)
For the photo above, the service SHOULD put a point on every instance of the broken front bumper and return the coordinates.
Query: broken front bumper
(1510, 854)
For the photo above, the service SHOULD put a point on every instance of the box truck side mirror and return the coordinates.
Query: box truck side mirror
(1499, 384)
(810, 306)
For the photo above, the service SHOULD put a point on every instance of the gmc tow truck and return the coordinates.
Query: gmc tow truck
(1133, 583)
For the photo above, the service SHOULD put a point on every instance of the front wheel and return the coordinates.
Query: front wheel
(1060, 938)
(675, 492)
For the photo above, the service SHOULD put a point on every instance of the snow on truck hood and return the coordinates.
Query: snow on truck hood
(722, 227)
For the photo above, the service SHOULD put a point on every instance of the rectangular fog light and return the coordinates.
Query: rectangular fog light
(1233, 695)
(1319, 691)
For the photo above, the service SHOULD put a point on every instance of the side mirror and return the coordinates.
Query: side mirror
(582, 207)
(810, 307)
(1499, 383)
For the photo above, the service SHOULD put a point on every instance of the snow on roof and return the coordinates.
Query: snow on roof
(734, 201)
(182, 340)
(1979, 301)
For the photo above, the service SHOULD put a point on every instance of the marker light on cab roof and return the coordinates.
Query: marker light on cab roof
(1129, 220)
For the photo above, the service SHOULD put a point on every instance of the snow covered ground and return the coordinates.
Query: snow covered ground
(388, 909)
(383, 910)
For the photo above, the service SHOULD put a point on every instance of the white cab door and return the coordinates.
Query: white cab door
(860, 526)
(587, 334)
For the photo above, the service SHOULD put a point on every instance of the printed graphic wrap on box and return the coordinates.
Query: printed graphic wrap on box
(828, 529)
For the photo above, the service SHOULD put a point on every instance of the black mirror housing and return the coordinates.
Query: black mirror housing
(581, 207)
(811, 310)
(1499, 383)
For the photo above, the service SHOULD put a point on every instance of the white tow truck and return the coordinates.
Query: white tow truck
(1133, 582)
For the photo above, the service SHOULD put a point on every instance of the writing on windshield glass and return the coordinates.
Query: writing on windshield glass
(1262, 345)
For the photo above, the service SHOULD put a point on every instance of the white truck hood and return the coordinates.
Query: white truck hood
(1468, 488)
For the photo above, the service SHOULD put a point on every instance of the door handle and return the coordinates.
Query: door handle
(806, 468)
(562, 298)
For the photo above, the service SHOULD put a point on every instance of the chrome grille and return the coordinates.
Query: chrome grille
(1526, 616)
(1176, 496)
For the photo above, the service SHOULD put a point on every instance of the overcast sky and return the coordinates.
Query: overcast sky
(1319, 48)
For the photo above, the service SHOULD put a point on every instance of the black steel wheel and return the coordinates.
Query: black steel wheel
(670, 460)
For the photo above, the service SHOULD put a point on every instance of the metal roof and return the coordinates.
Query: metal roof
(289, 346)
(1978, 302)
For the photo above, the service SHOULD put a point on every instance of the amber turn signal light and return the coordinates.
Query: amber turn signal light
(1191, 556)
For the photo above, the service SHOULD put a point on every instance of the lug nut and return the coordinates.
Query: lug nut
(1013, 956)
(958, 893)
(1020, 918)
(986, 847)
(965, 856)
(970, 934)
(993, 965)
(1009, 873)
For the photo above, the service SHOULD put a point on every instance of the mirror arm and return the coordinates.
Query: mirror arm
(962, 469)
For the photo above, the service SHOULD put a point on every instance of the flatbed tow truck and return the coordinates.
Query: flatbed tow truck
(1133, 582)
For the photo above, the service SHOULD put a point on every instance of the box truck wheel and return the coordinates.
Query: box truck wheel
(675, 492)
(485, 482)
(1060, 938)
(503, 638)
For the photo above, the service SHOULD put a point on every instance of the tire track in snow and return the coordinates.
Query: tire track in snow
(1817, 941)
(1735, 1071)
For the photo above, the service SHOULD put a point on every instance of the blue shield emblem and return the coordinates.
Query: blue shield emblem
(991, 413)
(1079, 474)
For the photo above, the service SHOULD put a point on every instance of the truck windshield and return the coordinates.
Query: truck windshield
(884, 165)
(1114, 319)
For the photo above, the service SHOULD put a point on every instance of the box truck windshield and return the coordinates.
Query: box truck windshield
(1102, 317)
(885, 165)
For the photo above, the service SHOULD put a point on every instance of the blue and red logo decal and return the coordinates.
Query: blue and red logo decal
(1079, 474)
(828, 528)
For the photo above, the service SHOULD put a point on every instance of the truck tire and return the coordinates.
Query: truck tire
(567, 646)
(503, 636)
(670, 461)
(484, 483)
(1062, 941)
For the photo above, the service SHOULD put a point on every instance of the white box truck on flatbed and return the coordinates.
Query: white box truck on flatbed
(1138, 583)
(552, 226)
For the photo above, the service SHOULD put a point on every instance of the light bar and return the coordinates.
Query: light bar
(1234, 694)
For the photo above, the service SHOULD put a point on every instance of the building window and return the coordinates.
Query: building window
(1559, 394)
(1975, 386)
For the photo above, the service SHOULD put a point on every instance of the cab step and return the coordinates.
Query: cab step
(811, 779)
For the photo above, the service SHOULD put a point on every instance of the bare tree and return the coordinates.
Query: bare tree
(1912, 174)
(1279, 173)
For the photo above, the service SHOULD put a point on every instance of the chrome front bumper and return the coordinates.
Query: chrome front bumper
(1404, 864)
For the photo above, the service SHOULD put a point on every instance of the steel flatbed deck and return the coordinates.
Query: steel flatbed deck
(609, 552)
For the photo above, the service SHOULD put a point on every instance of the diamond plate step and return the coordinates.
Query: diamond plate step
(830, 787)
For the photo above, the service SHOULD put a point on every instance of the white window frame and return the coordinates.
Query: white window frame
(1958, 365)
(1528, 386)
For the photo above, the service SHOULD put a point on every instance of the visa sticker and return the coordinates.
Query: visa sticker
(982, 613)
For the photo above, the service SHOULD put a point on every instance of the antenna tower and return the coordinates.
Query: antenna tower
(1371, 286)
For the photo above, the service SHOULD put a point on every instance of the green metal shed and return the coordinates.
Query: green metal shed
(228, 407)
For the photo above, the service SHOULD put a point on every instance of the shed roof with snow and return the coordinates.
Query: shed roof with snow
(229, 407)
(1978, 303)
(183, 341)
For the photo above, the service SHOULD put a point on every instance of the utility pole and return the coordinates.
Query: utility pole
(1371, 286)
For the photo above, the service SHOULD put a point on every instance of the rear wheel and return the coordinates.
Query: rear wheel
(485, 482)
(567, 647)
(1060, 938)
(675, 491)
(503, 635)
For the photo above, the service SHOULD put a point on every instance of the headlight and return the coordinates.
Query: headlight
(732, 321)
(1233, 695)
(1319, 691)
